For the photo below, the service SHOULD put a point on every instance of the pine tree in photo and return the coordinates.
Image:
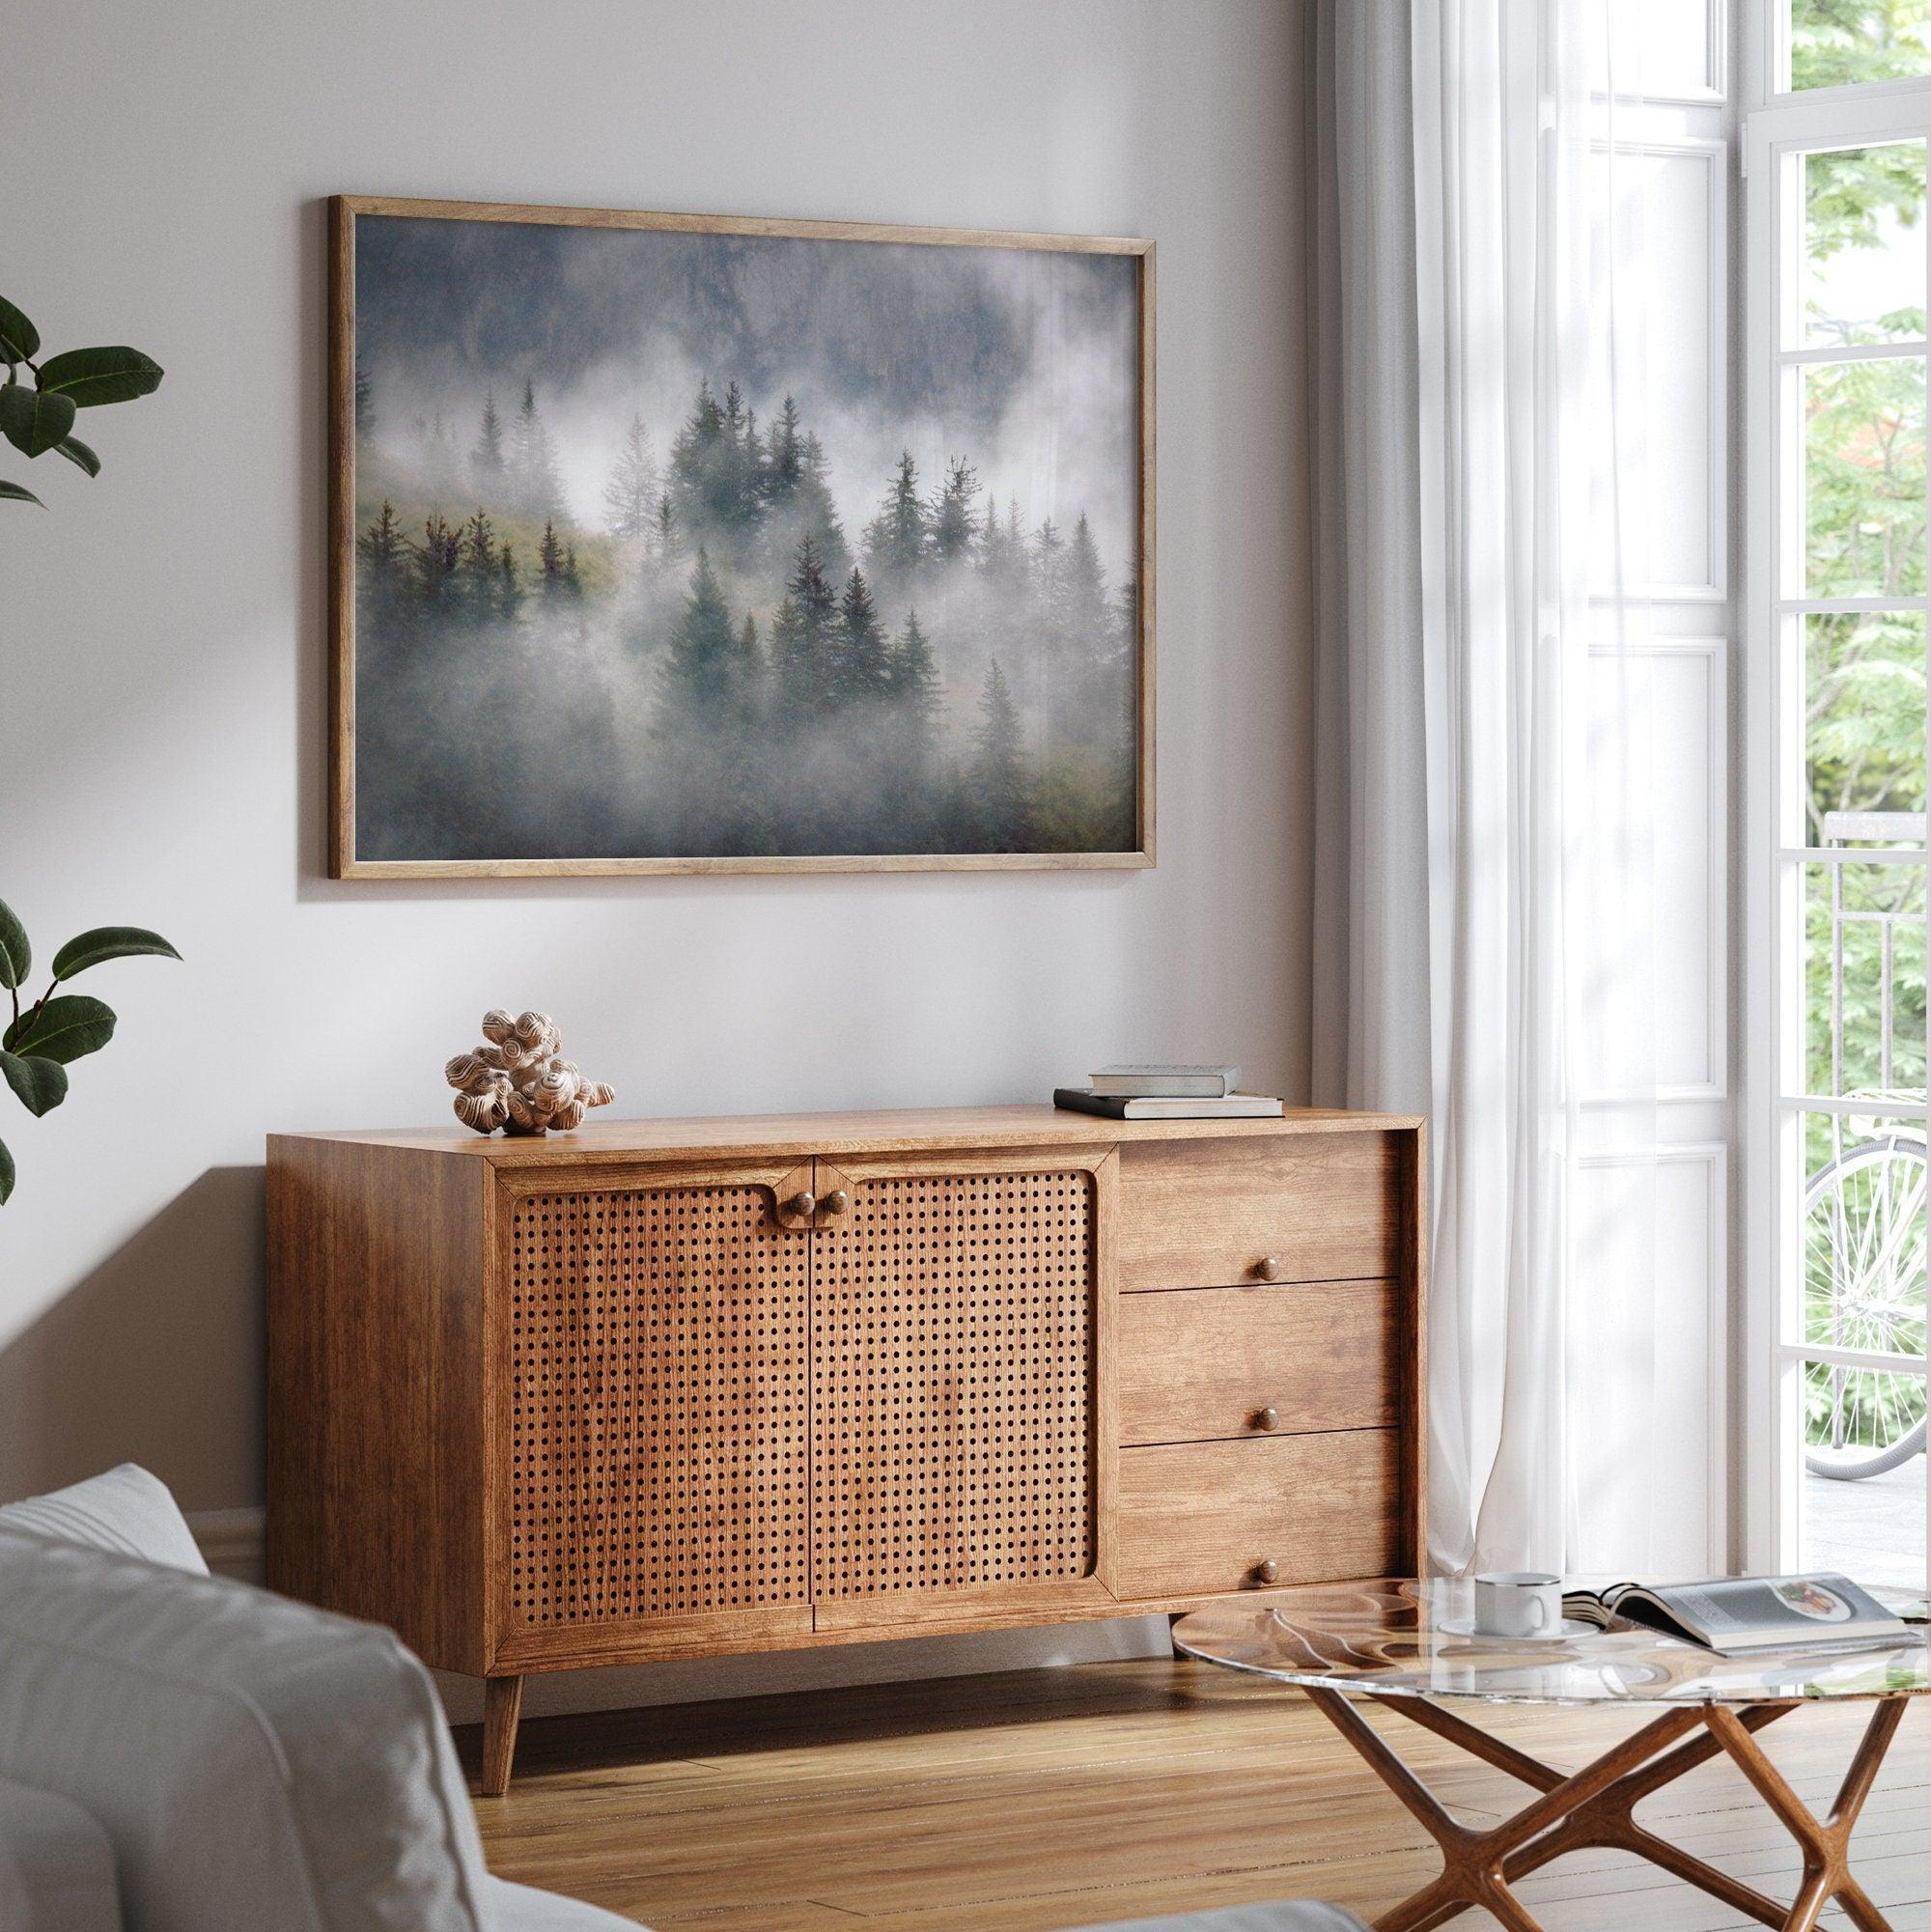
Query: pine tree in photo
(573, 578)
(895, 538)
(1089, 643)
(1083, 592)
(535, 481)
(382, 546)
(550, 562)
(508, 584)
(909, 808)
(913, 688)
(806, 640)
(740, 473)
(1127, 652)
(631, 496)
(486, 459)
(864, 660)
(755, 469)
(991, 542)
(998, 790)
(477, 565)
(784, 462)
(436, 558)
(714, 471)
(700, 682)
(954, 525)
(1052, 677)
(365, 400)
(750, 654)
(1049, 548)
(382, 578)
(667, 539)
(797, 499)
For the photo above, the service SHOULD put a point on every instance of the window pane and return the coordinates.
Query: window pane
(1863, 478)
(1841, 42)
(1868, 1525)
(1864, 1262)
(1863, 979)
(1863, 729)
(1864, 245)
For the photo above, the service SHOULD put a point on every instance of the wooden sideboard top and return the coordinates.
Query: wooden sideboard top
(900, 1131)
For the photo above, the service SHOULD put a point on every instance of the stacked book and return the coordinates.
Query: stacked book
(1168, 1093)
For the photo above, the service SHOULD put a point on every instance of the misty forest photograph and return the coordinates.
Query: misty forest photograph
(684, 545)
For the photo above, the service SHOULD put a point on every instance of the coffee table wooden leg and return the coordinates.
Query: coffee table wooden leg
(1609, 1822)
(1825, 1844)
(1476, 1863)
(1596, 1806)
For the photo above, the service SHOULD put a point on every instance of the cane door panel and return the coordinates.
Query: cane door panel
(957, 1385)
(657, 1408)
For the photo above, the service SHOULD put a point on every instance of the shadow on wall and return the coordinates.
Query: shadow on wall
(156, 1358)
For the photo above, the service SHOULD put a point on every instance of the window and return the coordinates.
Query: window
(1836, 171)
(1853, 43)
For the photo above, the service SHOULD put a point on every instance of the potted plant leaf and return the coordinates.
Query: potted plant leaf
(43, 1038)
(38, 418)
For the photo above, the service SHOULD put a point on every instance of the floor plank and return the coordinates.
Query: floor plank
(1042, 1800)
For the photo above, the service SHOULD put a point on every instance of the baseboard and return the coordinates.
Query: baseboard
(232, 1542)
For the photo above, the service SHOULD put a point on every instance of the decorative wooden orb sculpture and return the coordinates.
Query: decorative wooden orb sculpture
(519, 1080)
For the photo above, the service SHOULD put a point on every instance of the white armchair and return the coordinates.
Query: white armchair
(179, 1753)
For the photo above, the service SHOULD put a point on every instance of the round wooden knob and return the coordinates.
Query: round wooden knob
(836, 1201)
(1268, 1419)
(1268, 1267)
(1265, 1570)
(803, 1205)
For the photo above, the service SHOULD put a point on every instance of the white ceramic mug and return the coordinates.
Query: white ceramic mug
(1518, 1603)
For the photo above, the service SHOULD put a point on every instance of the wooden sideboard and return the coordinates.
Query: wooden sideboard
(672, 1388)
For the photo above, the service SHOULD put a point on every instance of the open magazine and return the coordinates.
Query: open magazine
(1736, 1616)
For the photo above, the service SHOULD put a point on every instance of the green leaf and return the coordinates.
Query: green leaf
(63, 1029)
(16, 956)
(34, 420)
(5, 1174)
(108, 942)
(12, 492)
(90, 376)
(20, 340)
(77, 451)
(40, 1084)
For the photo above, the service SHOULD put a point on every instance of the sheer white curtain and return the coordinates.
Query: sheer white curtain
(1483, 885)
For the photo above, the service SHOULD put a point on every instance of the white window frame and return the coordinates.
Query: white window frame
(1776, 125)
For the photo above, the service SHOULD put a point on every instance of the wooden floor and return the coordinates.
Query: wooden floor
(1063, 1797)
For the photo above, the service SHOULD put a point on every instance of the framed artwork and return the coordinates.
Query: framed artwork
(664, 543)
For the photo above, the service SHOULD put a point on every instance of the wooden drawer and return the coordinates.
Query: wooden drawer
(1200, 1517)
(1305, 1207)
(1199, 1363)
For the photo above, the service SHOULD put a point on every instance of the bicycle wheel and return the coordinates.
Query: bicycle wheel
(1863, 1288)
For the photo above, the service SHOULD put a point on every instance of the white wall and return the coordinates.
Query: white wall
(161, 661)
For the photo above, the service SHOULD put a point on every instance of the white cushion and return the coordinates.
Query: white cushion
(126, 1509)
(257, 1765)
(56, 1865)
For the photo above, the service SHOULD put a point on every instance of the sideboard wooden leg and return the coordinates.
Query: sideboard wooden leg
(502, 1706)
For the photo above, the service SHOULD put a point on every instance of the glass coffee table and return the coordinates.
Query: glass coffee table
(1406, 1646)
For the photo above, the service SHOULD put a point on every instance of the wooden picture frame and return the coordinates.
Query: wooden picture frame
(351, 853)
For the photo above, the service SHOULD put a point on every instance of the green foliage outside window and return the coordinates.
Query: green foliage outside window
(1863, 483)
